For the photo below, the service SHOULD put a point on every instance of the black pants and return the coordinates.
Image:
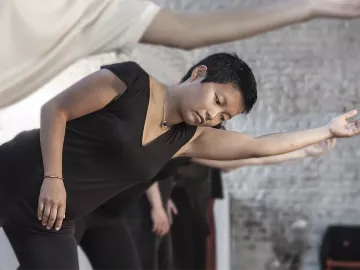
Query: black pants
(189, 233)
(35, 247)
(125, 242)
(107, 242)
(154, 252)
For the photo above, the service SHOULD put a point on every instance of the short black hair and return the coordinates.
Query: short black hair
(227, 68)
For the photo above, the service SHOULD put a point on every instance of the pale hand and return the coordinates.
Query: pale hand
(342, 9)
(161, 223)
(320, 148)
(171, 210)
(52, 203)
(341, 127)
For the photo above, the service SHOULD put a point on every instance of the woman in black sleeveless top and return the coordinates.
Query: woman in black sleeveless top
(106, 136)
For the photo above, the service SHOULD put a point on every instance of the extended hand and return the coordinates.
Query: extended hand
(161, 223)
(341, 127)
(52, 203)
(343, 9)
(320, 148)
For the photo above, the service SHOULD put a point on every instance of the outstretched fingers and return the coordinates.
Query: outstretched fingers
(350, 114)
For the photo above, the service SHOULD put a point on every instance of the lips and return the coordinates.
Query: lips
(202, 120)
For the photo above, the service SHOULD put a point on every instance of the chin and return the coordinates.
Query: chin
(192, 123)
(190, 119)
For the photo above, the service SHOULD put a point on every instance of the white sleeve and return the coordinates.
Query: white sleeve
(40, 38)
(122, 23)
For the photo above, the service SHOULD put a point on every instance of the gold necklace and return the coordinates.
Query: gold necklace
(164, 123)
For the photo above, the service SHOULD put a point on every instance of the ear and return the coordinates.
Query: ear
(199, 73)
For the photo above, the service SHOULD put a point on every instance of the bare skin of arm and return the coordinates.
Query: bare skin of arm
(161, 222)
(86, 96)
(310, 151)
(191, 31)
(213, 144)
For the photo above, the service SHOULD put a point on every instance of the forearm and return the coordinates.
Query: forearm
(190, 31)
(228, 165)
(154, 196)
(280, 143)
(52, 132)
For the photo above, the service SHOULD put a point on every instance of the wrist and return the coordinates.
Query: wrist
(307, 10)
(50, 176)
(56, 172)
(156, 206)
(314, 9)
(326, 131)
(300, 11)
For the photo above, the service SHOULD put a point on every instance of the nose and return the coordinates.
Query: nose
(208, 117)
(212, 115)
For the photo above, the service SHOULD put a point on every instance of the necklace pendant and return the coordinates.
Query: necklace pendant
(164, 125)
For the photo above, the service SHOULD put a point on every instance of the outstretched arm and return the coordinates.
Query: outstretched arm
(209, 143)
(310, 151)
(190, 31)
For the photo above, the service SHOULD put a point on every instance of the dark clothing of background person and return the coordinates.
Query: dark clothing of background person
(195, 185)
(127, 241)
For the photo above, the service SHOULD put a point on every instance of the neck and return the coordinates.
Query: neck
(172, 105)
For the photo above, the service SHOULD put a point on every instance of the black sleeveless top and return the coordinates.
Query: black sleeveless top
(103, 155)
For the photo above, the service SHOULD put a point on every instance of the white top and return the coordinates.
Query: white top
(40, 38)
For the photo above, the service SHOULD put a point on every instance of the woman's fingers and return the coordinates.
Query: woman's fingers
(41, 206)
(60, 217)
(46, 213)
(52, 217)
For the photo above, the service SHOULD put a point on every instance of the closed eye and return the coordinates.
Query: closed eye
(217, 100)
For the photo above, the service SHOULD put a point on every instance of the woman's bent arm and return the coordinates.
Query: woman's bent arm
(86, 96)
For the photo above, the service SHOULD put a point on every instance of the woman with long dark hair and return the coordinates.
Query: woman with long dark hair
(106, 137)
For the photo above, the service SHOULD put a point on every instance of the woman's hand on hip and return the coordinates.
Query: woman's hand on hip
(52, 203)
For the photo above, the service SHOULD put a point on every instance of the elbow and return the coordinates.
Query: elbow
(49, 108)
(52, 110)
(256, 154)
(185, 36)
(261, 149)
(185, 42)
(186, 47)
